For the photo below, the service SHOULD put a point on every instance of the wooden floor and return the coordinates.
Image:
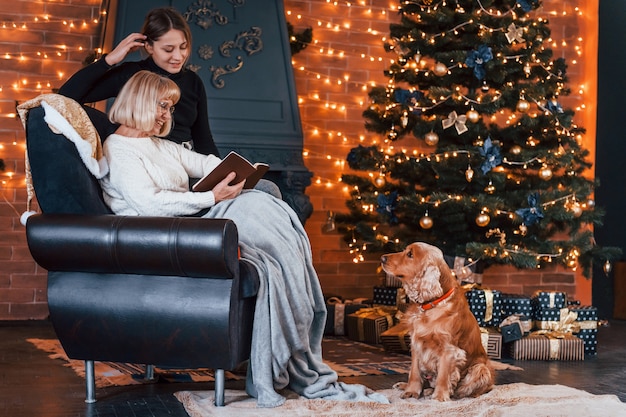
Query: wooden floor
(33, 385)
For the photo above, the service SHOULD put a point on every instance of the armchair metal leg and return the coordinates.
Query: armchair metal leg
(219, 387)
(149, 374)
(90, 382)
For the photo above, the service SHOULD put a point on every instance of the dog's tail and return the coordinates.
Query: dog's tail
(479, 380)
(500, 366)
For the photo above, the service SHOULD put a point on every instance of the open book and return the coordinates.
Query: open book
(233, 162)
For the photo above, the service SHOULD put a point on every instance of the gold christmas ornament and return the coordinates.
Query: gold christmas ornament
(523, 105)
(577, 210)
(380, 181)
(473, 116)
(483, 219)
(431, 138)
(545, 173)
(469, 173)
(523, 229)
(440, 69)
(426, 222)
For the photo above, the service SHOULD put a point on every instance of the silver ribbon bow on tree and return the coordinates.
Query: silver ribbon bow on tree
(514, 33)
(457, 121)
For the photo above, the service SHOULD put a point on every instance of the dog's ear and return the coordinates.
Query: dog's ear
(431, 272)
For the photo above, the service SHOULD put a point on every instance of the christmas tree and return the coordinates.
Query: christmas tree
(496, 170)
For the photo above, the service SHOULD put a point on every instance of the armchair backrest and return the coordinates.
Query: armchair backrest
(61, 181)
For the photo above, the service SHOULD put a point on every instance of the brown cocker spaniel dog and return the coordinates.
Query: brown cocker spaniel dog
(446, 350)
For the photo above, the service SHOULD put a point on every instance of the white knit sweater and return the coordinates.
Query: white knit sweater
(150, 177)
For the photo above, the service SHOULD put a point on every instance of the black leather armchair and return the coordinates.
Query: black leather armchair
(145, 290)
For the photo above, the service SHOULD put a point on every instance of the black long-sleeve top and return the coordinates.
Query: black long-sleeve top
(100, 81)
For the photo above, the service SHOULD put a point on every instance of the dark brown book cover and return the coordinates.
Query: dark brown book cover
(233, 162)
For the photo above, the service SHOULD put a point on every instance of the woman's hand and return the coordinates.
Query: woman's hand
(223, 191)
(129, 44)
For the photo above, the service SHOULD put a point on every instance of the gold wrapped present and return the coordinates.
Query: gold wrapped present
(396, 339)
(367, 324)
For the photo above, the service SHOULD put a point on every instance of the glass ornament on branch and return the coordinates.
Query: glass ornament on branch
(479, 81)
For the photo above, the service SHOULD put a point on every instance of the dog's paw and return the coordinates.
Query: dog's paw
(410, 394)
(400, 385)
(440, 395)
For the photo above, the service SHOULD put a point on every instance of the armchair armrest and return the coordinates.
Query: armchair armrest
(170, 246)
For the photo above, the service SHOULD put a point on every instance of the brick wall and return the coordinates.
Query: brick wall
(331, 78)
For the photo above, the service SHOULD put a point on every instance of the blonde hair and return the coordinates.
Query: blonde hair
(136, 105)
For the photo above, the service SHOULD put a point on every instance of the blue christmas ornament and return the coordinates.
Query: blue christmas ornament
(554, 107)
(476, 59)
(387, 205)
(409, 98)
(492, 156)
(527, 5)
(533, 213)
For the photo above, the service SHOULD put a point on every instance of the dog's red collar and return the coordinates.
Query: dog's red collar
(432, 304)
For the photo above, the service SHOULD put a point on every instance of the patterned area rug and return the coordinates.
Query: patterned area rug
(346, 357)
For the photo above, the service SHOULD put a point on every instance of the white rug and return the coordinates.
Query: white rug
(509, 400)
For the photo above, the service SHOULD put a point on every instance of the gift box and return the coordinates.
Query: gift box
(396, 339)
(561, 347)
(548, 318)
(514, 327)
(548, 299)
(466, 272)
(336, 315)
(388, 296)
(486, 305)
(491, 340)
(587, 327)
(516, 304)
(367, 324)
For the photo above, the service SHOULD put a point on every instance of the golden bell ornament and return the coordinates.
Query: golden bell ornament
(431, 138)
(523, 105)
(483, 219)
(380, 181)
(527, 69)
(473, 116)
(607, 267)
(545, 173)
(404, 119)
(426, 222)
(440, 69)
(469, 173)
(484, 87)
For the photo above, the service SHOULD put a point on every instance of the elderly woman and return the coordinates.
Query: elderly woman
(150, 176)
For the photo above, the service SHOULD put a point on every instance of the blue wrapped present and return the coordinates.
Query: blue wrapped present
(548, 299)
(587, 321)
(514, 327)
(516, 304)
(337, 310)
(389, 296)
(486, 305)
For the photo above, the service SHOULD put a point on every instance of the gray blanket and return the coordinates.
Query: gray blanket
(290, 308)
